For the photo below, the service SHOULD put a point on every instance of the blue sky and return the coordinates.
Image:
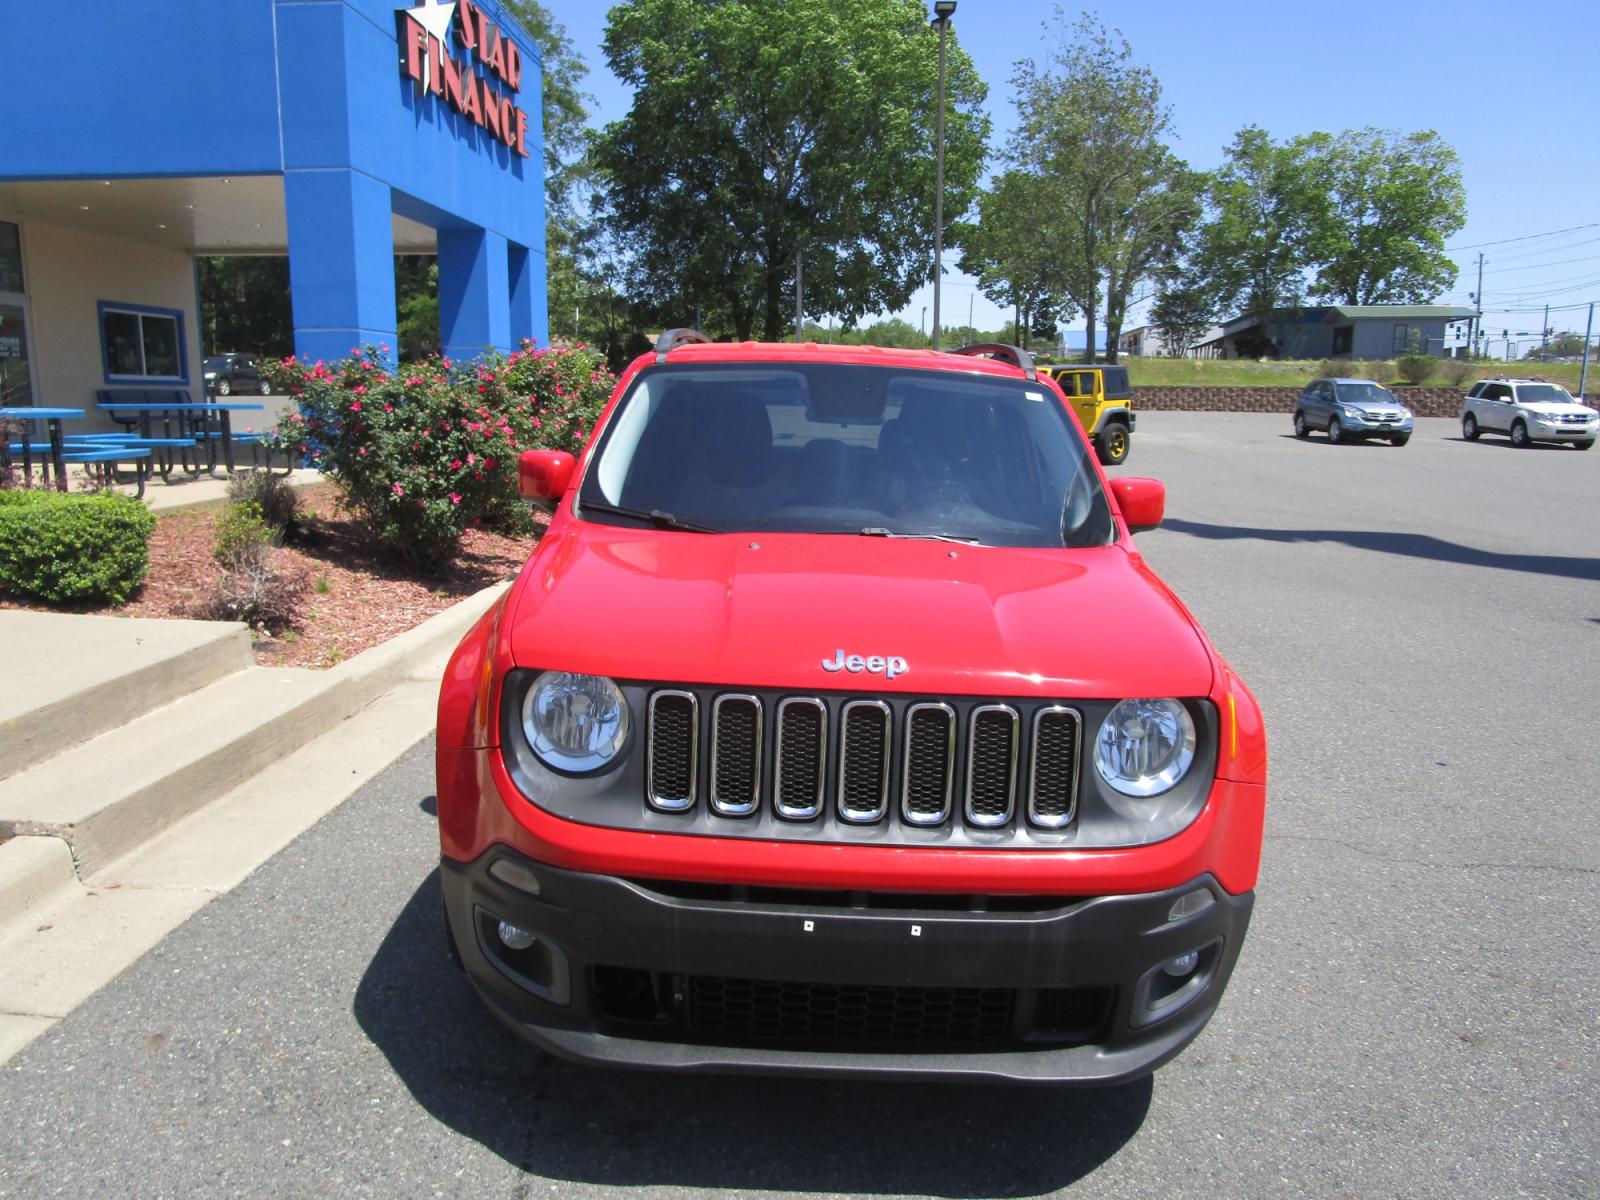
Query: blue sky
(1510, 86)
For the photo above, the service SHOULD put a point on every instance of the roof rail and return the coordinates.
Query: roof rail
(1014, 355)
(673, 338)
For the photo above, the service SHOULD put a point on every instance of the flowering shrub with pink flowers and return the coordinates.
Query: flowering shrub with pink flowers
(427, 449)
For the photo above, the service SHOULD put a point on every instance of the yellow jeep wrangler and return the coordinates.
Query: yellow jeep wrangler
(1104, 402)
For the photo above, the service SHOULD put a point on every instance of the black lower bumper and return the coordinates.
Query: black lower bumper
(704, 978)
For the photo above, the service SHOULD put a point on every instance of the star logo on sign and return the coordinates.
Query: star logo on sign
(435, 16)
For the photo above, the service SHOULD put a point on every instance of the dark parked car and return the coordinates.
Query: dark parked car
(226, 374)
(1351, 409)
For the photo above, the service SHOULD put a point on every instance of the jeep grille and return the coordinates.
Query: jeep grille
(854, 755)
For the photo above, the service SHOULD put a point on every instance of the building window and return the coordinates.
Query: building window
(141, 344)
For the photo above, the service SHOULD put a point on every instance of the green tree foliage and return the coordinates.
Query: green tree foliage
(1012, 264)
(1183, 311)
(1391, 201)
(244, 305)
(1252, 253)
(1365, 214)
(759, 129)
(1116, 200)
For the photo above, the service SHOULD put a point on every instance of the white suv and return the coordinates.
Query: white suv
(1528, 411)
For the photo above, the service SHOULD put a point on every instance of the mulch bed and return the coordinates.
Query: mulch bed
(357, 599)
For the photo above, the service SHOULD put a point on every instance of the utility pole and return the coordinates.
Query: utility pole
(1544, 335)
(1588, 332)
(943, 11)
(799, 311)
(1477, 321)
(971, 333)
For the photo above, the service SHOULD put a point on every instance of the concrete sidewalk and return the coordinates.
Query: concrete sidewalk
(186, 491)
(147, 766)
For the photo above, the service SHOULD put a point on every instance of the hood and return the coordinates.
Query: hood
(767, 610)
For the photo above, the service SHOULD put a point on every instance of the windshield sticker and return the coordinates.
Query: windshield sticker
(1034, 395)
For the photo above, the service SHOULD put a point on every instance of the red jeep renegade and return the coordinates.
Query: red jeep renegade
(836, 726)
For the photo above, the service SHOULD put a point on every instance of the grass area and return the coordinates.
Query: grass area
(1216, 372)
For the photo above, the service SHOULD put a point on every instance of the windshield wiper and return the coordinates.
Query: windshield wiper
(879, 531)
(661, 520)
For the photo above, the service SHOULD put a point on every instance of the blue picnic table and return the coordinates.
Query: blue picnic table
(193, 423)
(54, 448)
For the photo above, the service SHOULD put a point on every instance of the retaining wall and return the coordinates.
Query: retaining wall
(1424, 401)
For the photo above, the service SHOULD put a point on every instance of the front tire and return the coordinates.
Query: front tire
(1335, 431)
(1113, 444)
(224, 387)
(1585, 444)
(266, 389)
(1301, 429)
(1519, 435)
(1400, 439)
(1469, 427)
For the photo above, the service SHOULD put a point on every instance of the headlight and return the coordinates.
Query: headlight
(1541, 419)
(1406, 414)
(576, 723)
(1145, 746)
(1355, 414)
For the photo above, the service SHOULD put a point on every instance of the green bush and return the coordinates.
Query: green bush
(422, 453)
(280, 507)
(62, 547)
(1454, 371)
(243, 537)
(1379, 370)
(1414, 368)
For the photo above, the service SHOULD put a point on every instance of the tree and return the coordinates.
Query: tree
(761, 130)
(1115, 198)
(1252, 252)
(563, 102)
(1183, 311)
(1391, 202)
(1012, 264)
(244, 305)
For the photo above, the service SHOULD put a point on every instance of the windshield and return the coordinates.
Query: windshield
(831, 448)
(1543, 393)
(215, 364)
(1365, 393)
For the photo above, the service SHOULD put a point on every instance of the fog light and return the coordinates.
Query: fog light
(1178, 967)
(514, 938)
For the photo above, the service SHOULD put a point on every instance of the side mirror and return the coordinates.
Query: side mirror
(1143, 501)
(544, 474)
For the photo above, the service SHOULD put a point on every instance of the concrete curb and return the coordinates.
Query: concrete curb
(34, 873)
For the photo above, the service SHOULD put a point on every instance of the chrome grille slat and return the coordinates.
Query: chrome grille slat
(735, 755)
(1053, 765)
(673, 763)
(929, 764)
(866, 741)
(992, 746)
(800, 770)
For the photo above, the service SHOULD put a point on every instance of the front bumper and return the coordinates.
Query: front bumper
(723, 978)
(1563, 433)
(1367, 427)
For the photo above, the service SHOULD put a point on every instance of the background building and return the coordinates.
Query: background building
(1373, 331)
(339, 132)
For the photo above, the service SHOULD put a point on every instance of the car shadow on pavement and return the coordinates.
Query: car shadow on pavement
(1410, 545)
(622, 1128)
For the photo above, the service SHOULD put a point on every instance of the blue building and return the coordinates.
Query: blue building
(140, 135)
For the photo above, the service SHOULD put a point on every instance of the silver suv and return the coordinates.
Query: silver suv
(1527, 411)
(1351, 409)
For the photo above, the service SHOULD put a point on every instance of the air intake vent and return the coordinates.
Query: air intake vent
(1053, 772)
(802, 758)
(929, 764)
(674, 759)
(992, 765)
(735, 755)
(865, 737)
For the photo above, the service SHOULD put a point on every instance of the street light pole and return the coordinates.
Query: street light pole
(924, 320)
(943, 10)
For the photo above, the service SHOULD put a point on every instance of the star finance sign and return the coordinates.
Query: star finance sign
(431, 34)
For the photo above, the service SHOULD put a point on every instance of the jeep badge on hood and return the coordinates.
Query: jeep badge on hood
(886, 665)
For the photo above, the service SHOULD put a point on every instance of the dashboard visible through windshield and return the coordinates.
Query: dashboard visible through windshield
(846, 449)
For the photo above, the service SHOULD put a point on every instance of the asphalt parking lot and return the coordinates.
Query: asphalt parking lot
(1415, 1011)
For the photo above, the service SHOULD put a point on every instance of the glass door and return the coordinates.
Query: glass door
(16, 388)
